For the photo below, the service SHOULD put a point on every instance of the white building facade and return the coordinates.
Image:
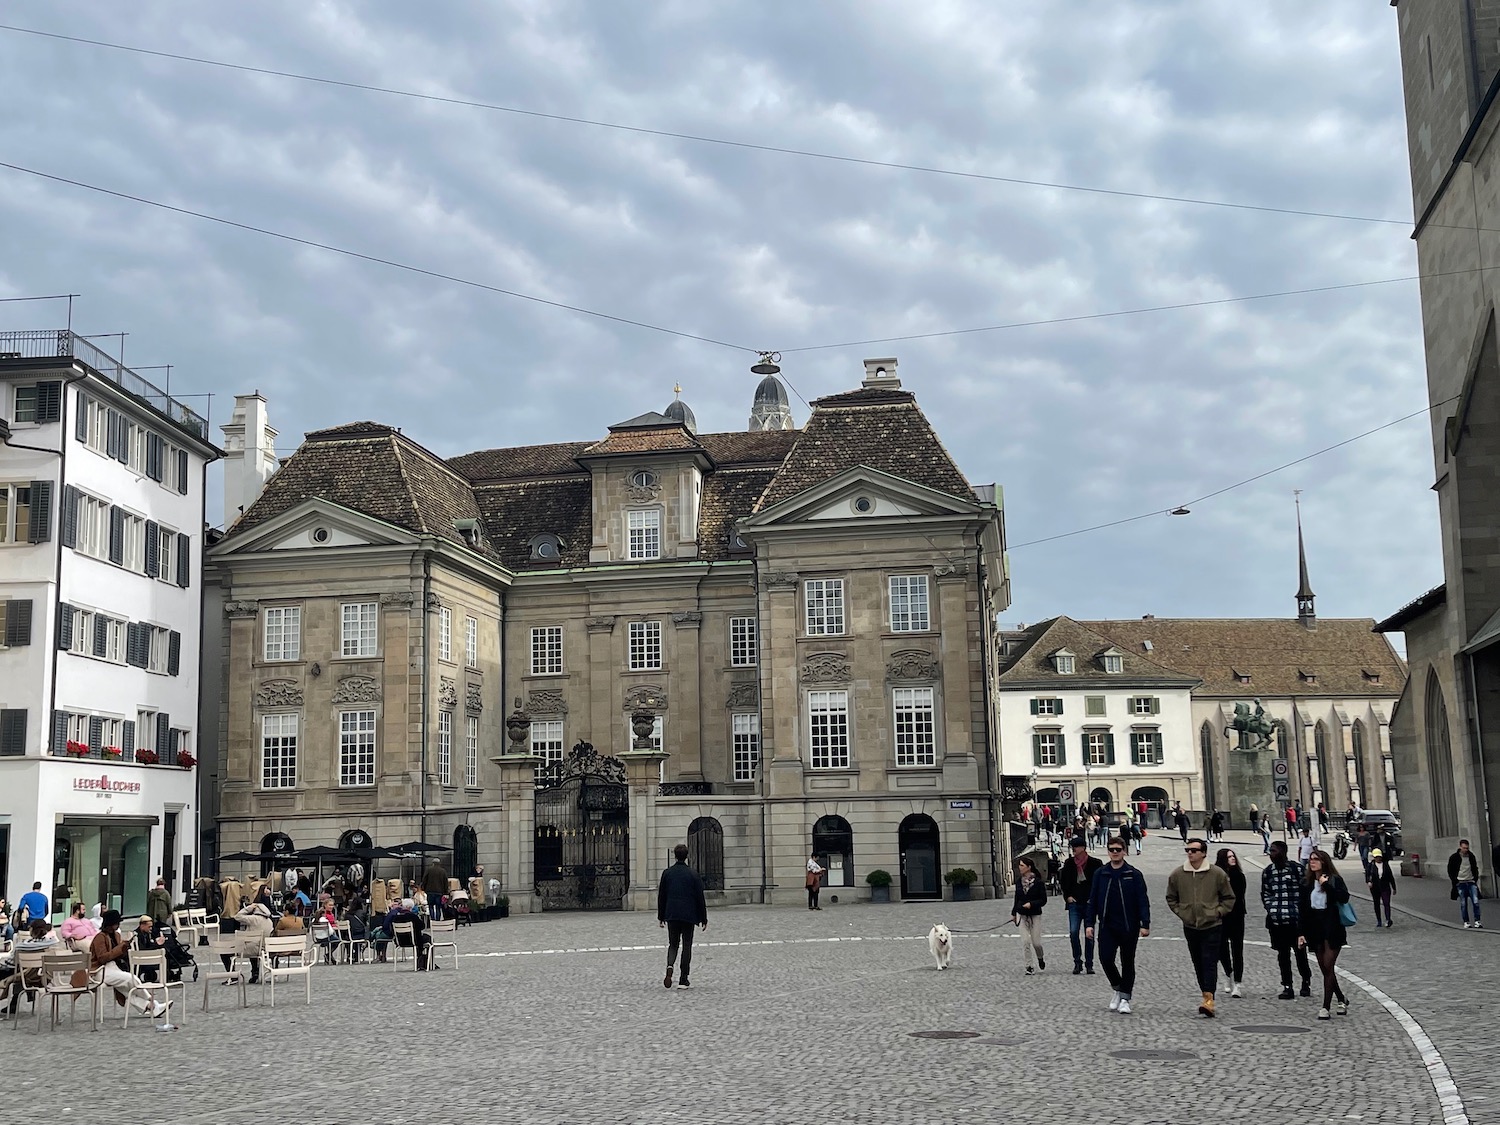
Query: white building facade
(100, 573)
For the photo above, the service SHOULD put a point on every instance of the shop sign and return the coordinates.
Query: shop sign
(104, 784)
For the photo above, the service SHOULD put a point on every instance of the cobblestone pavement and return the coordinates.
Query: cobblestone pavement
(793, 1017)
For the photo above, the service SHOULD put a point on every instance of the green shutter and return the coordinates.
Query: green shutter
(1034, 710)
(1036, 746)
(1109, 748)
(1057, 703)
(1062, 749)
(1155, 705)
(1157, 746)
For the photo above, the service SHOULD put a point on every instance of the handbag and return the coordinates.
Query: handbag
(1346, 914)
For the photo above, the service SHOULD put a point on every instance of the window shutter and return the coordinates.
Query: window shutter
(174, 653)
(116, 535)
(1155, 705)
(13, 730)
(1034, 707)
(1057, 706)
(1036, 747)
(48, 405)
(39, 530)
(70, 517)
(81, 423)
(141, 646)
(130, 646)
(153, 547)
(1157, 746)
(18, 622)
(174, 740)
(96, 732)
(163, 731)
(154, 451)
(182, 471)
(59, 731)
(1109, 749)
(101, 633)
(122, 440)
(1062, 749)
(184, 560)
(127, 739)
(112, 434)
(64, 626)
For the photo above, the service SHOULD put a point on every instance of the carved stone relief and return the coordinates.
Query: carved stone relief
(447, 691)
(434, 603)
(642, 493)
(279, 693)
(687, 620)
(826, 668)
(548, 701)
(600, 624)
(781, 579)
(646, 697)
(742, 693)
(357, 689)
(912, 664)
(401, 597)
(474, 697)
(951, 570)
(241, 609)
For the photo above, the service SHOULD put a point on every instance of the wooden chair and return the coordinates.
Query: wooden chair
(160, 989)
(398, 952)
(286, 957)
(443, 934)
(58, 970)
(27, 982)
(215, 973)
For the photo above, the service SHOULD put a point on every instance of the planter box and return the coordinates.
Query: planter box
(962, 892)
(880, 894)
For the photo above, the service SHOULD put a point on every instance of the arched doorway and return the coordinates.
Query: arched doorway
(355, 839)
(1102, 797)
(275, 844)
(1155, 798)
(465, 853)
(833, 844)
(921, 857)
(705, 841)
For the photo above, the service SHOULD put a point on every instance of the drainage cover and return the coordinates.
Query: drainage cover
(1000, 1041)
(1154, 1054)
(944, 1034)
(1272, 1029)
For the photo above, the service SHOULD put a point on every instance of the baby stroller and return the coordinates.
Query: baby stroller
(179, 957)
(458, 909)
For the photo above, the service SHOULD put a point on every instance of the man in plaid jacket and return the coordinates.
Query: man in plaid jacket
(1280, 894)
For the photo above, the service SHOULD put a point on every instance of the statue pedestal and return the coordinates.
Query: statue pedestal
(1250, 783)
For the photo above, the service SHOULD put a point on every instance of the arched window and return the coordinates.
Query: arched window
(1206, 744)
(1101, 796)
(705, 841)
(1320, 762)
(1440, 760)
(1357, 763)
(833, 844)
(275, 844)
(465, 853)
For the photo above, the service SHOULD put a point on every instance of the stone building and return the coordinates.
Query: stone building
(1446, 732)
(772, 641)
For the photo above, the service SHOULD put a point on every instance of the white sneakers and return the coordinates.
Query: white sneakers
(1114, 1002)
(1235, 991)
(1323, 1014)
(1466, 925)
(1343, 1007)
(158, 1008)
(1124, 1006)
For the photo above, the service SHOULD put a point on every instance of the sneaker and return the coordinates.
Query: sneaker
(1323, 1014)
(1343, 1007)
(1041, 962)
(1466, 925)
(1114, 1002)
(1306, 988)
(667, 980)
(1286, 994)
(1078, 968)
(1124, 1006)
(1478, 926)
(1030, 972)
(1089, 970)
(1235, 991)
(684, 983)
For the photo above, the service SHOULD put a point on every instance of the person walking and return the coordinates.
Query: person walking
(680, 905)
(1216, 826)
(1137, 834)
(814, 882)
(1182, 822)
(1382, 883)
(1323, 932)
(1281, 896)
(1232, 937)
(1026, 912)
(1322, 819)
(1199, 894)
(1265, 834)
(159, 904)
(1305, 846)
(435, 884)
(1463, 873)
(1076, 878)
(1119, 910)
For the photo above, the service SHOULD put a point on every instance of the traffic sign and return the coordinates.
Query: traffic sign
(1066, 794)
(1283, 790)
(1280, 768)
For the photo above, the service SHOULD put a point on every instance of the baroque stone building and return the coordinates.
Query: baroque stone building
(774, 640)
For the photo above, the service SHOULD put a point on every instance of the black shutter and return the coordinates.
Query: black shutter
(184, 560)
(154, 450)
(182, 471)
(101, 634)
(112, 434)
(70, 516)
(59, 731)
(81, 423)
(1036, 749)
(137, 645)
(153, 547)
(127, 739)
(48, 409)
(174, 740)
(39, 530)
(1062, 749)
(96, 732)
(122, 440)
(13, 730)
(116, 535)
(64, 626)
(18, 622)
(1109, 749)
(163, 733)
(174, 653)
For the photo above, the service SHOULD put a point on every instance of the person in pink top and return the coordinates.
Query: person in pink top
(76, 927)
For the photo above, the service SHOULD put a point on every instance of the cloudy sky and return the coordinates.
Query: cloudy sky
(1292, 105)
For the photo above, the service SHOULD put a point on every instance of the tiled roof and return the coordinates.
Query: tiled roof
(1341, 653)
(362, 473)
(521, 462)
(647, 439)
(514, 513)
(746, 448)
(892, 435)
(350, 429)
(1030, 658)
(728, 495)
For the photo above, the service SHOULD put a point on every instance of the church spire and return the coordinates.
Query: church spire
(1305, 612)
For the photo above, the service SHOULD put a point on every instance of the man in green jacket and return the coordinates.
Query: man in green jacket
(159, 904)
(1199, 893)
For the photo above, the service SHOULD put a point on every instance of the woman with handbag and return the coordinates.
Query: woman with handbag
(1326, 916)
(814, 882)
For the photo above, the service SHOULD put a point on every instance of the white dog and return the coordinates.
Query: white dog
(940, 943)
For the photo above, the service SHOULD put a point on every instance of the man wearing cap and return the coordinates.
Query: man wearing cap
(1382, 883)
(1076, 877)
(111, 952)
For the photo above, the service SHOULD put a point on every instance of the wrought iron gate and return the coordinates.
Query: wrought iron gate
(583, 842)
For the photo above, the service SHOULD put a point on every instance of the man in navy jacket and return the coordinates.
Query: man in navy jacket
(1120, 911)
(680, 905)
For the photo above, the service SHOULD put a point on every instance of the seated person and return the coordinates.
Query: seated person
(39, 939)
(77, 927)
(147, 938)
(110, 951)
(407, 912)
(252, 925)
(7, 931)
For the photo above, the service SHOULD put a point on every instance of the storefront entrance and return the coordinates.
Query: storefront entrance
(920, 858)
(102, 862)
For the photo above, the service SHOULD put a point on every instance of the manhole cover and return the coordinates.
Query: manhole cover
(945, 1034)
(1000, 1041)
(1272, 1029)
(1154, 1054)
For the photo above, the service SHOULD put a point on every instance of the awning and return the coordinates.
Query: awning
(105, 821)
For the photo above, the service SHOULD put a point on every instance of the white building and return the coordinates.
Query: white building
(101, 535)
(1074, 707)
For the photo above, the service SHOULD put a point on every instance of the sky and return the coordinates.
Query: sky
(1289, 106)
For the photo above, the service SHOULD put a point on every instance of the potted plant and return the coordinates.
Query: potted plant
(77, 749)
(961, 879)
(147, 757)
(502, 908)
(112, 753)
(880, 885)
(186, 760)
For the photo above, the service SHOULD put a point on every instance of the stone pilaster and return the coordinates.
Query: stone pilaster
(642, 775)
(604, 729)
(686, 733)
(518, 805)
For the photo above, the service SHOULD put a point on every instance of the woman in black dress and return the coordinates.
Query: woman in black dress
(1322, 928)
(1232, 935)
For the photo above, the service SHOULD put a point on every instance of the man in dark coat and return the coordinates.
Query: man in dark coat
(680, 905)
(435, 885)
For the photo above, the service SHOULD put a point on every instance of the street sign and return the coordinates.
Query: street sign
(1283, 790)
(1066, 794)
(1280, 768)
(960, 804)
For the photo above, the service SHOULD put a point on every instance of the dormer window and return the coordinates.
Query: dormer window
(1112, 661)
(1241, 677)
(545, 548)
(1063, 662)
(1370, 677)
(467, 529)
(643, 478)
(736, 540)
(1307, 677)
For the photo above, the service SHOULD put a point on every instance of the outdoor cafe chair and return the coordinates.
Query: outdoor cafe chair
(206, 924)
(27, 981)
(443, 934)
(159, 989)
(183, 928)
(215, 973)
(58, 972)
(353, 948)
(399, 952)
(286, 957)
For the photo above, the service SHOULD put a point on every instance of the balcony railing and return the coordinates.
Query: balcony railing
(51, 343)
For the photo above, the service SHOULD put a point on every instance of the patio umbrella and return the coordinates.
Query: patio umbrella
(321, 854)
(415, 849)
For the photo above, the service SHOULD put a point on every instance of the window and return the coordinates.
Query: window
(1114, 664)
(645, 646)
(78, 728)
(133, 542)
(83, 632)
(134, 438)
(1093, 706)
(1047, 706)
(1145, 705)
(25, 405)
(1063, 663)
(742, 647)
(1100, 748)
(93, 526)
(1048, 749)
(644, 526)
(824, 599)
(471, 749)
(916, 743)
(110, 731)
(1439, 752)
(156, 651)
(745, 730)
(1145, 748)
(166, 540)
(15, 512)
(283, 631)
(909, 612)
(643, 478)
(356, 747)
(359, 629)
(445, 748)
(471, 642)
(445, 633)
(117, 634)
(145, 729)
(94, 419)
(828, 729)
(278, 751)
(546, 650)
(547, 747)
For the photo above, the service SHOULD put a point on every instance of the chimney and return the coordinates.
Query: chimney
(249, 454)
(881, 373)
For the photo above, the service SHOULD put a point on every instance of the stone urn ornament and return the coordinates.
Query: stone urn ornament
(643, 723)
(517, 727)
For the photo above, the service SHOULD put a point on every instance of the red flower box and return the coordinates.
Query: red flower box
(111, 752)
(186, 760)
(77, 749)
(147, 757)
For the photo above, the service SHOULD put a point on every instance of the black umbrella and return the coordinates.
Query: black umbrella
(418, 847)
(243, 857)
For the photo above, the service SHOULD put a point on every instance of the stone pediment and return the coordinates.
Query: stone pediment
(279, 693)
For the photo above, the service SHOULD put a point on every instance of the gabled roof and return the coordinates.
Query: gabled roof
(521, 462)
(1271, 651)
(1414, 609)
(1030, 660)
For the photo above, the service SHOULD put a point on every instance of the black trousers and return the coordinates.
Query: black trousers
(680, 933)
(1232, 947)
(1203, 945)
(812, 896)
(1119, 943)
(1284, 941)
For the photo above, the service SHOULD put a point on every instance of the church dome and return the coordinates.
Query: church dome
(771, 393)
(680, 411)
